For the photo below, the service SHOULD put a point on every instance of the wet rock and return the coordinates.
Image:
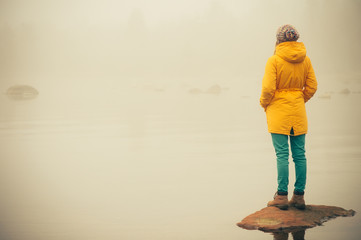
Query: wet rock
(272, 219)
(215, 89)
(22, 92)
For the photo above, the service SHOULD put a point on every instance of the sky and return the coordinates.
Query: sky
(112, 11)
(97, 12)
(206, 40)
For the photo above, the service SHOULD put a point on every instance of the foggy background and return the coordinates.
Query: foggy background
(123, 143)
(68, 44)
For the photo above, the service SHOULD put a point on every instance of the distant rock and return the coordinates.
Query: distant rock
(345, 91)
(325, 95)
(195, 91)
(20, 92)
(215, 89)
(272, 219)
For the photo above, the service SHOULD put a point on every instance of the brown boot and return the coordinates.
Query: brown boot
(280, 201)
(297, 201)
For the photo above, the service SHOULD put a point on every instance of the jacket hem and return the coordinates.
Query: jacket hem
(288, 133)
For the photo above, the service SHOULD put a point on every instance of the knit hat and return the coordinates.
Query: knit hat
(287, 33)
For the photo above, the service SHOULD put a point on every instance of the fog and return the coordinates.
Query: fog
(63, 44)
(147, 123)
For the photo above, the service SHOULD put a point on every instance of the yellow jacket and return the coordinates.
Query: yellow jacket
(288, 83)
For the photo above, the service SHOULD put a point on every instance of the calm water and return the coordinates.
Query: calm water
(142, 164)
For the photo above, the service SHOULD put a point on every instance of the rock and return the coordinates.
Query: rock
(325, 96)
(195, 91)
(345, 91)
(19, 92)
(272, 219)
(215, 89)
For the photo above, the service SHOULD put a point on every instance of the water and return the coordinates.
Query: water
(136, 163)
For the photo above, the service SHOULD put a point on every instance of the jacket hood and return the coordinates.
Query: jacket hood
(293, 52)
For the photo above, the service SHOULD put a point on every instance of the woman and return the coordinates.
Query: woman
(288, 83)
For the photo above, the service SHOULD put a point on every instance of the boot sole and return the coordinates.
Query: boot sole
(299, 206)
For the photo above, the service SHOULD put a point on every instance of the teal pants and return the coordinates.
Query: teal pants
(280, 143)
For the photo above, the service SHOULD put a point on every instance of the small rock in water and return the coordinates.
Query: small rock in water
(22, 92)
(325, 95)
(195, 91)
(345, 91)
(215, 89)
(272, 219)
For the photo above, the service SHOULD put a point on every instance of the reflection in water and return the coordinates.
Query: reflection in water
(21, 97)
(297, 235)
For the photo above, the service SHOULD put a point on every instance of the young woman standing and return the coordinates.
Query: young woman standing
(288, 83)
